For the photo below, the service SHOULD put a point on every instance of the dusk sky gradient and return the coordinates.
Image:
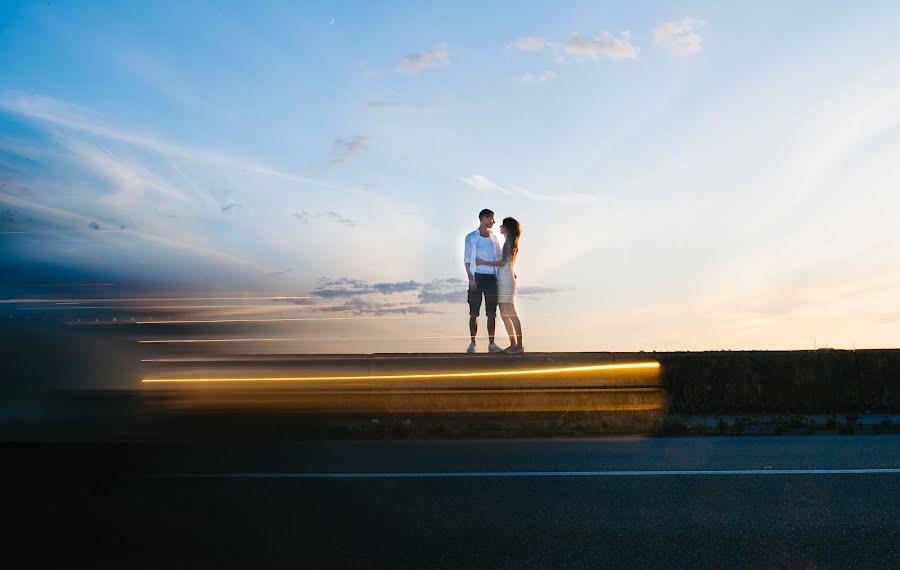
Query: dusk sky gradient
(688, 175)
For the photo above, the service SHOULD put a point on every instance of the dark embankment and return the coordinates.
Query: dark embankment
(790, 382)
(78, 388)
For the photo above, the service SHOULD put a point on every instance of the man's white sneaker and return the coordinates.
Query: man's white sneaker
(471, 348)
(494, 348)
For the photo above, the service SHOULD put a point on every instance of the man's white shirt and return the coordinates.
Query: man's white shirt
(487, 248)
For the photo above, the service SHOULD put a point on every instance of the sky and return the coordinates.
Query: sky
(688, 175)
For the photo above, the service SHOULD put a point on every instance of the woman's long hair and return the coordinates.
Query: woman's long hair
(511, 246)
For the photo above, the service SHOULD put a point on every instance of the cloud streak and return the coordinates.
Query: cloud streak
(57, 216)
(411, 293)
(76, 118)
(546, 75)
(331, 216)
(379, 104)
(347, 149)
(360, 306)
(680, 36)
(529, 43)
(604, 45)
(485, 184)
(434, 58)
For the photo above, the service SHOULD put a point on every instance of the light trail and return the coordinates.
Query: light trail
(446, 375)
(159, 299)
(205, 340)
(304, 339)
(476, 391)
(70, 306)
(207, 322)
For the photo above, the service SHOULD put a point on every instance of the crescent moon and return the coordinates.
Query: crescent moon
(332, 20)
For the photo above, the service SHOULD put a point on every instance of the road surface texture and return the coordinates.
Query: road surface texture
(733, 502)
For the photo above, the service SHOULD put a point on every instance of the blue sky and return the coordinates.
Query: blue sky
(692, 175)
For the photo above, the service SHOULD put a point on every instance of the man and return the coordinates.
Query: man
(483, 244)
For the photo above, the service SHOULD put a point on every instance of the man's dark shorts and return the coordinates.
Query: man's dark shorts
(485, 286)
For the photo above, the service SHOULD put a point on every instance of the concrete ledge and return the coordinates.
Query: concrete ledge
(725, 393)
(785, 382)
(93, 415)
(779, 424)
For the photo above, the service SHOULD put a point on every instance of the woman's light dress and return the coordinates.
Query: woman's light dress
(506, 283)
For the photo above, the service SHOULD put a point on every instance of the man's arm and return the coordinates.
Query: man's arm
(467, 259)
(472, 284)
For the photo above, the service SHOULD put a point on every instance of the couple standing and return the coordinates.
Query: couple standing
(492, 278)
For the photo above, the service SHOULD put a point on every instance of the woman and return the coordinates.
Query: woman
(506, 283)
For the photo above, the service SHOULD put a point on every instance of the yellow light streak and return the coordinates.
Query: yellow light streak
(142, 299)
(477, 391)
(447, 375)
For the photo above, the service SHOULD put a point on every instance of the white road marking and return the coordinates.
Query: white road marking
(476, 474)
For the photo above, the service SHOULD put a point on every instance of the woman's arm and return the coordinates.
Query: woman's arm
(480, 261)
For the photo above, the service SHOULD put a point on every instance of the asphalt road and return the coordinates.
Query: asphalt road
(793, 502)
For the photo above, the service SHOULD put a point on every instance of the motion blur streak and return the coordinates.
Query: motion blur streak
(487, 374)
(154, 299)
(642, 402)
(292, 339)
(175, 322)
(71, 306)
(201, 340)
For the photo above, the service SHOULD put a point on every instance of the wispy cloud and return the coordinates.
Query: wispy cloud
(680, 36)
(437, 291)
(485, 184)
(604, 45)
(331, 216)
(379, 104)
(432, 59)
(340, 287)
(546, 75)
(277, 273)
(578, 47)
(451, 290)
(68, 218)
(360, 306)
(363, 297)
(130, 179)
(347, 149)
(399, 287)
(536, 291)
(73, 117)
(347, 287)
(393, 105)
(529, 43)
(339, 219)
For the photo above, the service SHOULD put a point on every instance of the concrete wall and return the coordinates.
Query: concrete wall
(822, 381)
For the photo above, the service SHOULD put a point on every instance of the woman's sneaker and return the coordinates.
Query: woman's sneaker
(494, 348)
(515, 350)
(471, 348)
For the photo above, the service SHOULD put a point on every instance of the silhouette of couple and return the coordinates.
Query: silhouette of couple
(492, 279)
